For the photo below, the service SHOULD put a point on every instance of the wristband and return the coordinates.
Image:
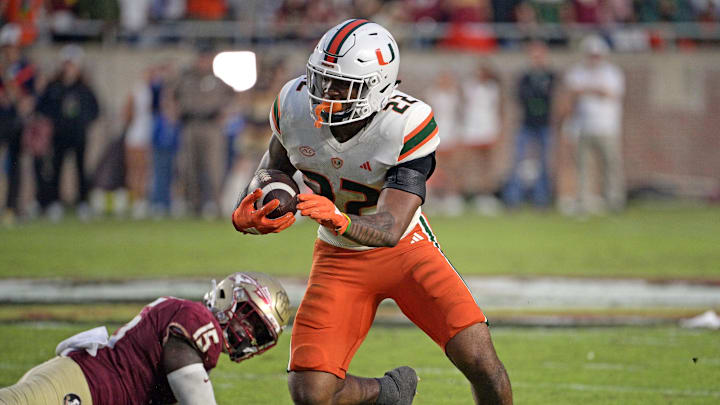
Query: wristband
(343, 229)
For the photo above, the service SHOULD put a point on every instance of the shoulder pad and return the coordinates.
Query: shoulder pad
(277, 107)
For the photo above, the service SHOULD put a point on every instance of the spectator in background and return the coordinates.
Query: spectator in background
(587, 11)
(444, 95)
(234, 124)
(706, 11)
(167, 10)
(468, 11)
(17, 100)
(597, 87)
(133, 18)
(482, 112)
(206, 9)
(23, 15)
(71, 105)
(139, 123)
(535, 91)
(165, 143)
(504, 10)
(202, 97)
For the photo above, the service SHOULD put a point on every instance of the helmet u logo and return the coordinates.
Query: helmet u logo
(381, 61)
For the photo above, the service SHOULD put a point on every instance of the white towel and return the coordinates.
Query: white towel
(90, 341)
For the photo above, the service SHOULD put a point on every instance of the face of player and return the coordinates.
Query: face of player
(336, 89)
(329, 87)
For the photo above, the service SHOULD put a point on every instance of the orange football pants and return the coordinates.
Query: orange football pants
(346, 286)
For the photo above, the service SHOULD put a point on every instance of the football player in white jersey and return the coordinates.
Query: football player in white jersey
(366, 150)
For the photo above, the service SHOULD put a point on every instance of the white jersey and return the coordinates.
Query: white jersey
(352, 173)
(598, 115)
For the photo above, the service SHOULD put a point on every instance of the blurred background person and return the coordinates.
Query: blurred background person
(166, 134)
(482, 112)
(202, 97)
(17, 100)
(445, 184)
(71, 105)
(596, 89)
(134, 16)
(534, 92)
(139, 124)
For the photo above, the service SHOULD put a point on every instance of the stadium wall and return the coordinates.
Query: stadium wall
(671, 120)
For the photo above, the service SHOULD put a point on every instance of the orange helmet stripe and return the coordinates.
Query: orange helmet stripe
(339, 38)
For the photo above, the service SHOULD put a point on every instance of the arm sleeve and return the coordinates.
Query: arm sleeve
(411, 176)
(191, 385)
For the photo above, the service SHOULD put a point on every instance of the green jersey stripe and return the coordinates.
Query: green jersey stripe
(431, 236)
(276, 115)
(417, 139)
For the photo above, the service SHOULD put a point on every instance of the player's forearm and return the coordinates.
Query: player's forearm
(373, 230)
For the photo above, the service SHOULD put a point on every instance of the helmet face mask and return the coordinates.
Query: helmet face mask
(252, 309)
(336, 99)
(247, 332)
(351, 73)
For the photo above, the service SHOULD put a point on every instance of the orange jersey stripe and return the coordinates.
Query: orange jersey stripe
(340, 37)
(408, 153)
(418, 128)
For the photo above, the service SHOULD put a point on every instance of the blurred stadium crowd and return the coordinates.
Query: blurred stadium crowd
(181, 142)
(455, 23)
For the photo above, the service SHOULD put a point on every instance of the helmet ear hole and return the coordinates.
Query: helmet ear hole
(222, 294)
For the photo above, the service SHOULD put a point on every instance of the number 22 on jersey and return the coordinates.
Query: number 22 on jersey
(321, 185)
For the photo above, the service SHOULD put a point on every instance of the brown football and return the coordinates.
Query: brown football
(275, 184)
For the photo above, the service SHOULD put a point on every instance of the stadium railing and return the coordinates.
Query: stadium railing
(625, 37)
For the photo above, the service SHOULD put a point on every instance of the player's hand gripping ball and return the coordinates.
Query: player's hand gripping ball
(271, 205)
(275, 185)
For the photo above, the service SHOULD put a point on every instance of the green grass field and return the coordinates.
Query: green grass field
(583, 365)
(664, 242)
(547, 366)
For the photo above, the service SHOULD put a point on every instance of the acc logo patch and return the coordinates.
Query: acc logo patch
(336, 162)
(72, 399)
(306, 151)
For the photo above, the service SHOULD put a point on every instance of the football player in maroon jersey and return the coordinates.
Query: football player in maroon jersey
(163, 355)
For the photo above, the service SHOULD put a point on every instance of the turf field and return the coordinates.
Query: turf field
(582, 365)
(660, 241)
(547, 366)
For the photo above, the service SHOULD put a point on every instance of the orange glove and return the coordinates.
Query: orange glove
(247, 219)
(324, 212)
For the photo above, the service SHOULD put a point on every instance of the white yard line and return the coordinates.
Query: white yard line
(490, 292)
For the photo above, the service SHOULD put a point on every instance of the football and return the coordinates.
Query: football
(275, 184)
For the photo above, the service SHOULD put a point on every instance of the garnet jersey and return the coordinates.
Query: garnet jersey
(129, 370)
(352, 173)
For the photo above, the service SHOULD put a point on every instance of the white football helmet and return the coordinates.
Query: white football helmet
(252, 309)
(352, 72)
